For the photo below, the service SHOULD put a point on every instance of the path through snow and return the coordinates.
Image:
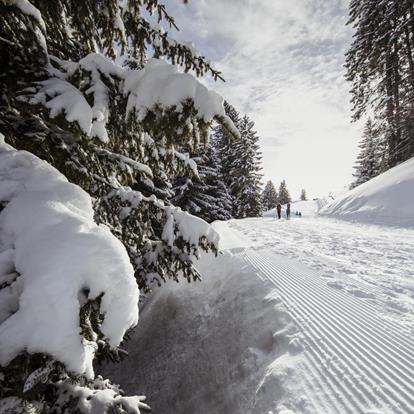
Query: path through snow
(355, 361)
(307, 316)
(373, 263)
(350, 292)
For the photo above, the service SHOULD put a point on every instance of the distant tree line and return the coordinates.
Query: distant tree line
(271, 197)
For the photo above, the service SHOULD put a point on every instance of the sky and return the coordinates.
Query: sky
(283, 65)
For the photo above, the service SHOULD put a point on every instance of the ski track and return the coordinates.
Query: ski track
(369, 262)
(355, 360)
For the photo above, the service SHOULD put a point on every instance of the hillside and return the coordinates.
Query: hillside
(387, 199)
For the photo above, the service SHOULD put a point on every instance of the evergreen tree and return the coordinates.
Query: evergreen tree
(368, 164)
(284, 196)
(380, 67)
(111, 130)
(240, 165)
(226, 148)
(204, 194)
(303, 196)
(269, 196)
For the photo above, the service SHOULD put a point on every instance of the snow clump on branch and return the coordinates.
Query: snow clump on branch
(54, 259)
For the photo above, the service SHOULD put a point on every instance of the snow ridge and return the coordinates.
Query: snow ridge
(386, 199)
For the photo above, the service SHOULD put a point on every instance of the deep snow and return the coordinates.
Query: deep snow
(301, 316)
(308, 315)
(387, 199)
(206, 347)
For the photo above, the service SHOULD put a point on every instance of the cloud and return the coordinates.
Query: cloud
(283, 65)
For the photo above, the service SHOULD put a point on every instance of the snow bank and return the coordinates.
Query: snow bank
(225, 342)
(387, 199)
(53, 258)
(228, 238)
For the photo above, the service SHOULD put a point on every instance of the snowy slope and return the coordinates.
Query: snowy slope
(304, 316)
(349, 291)
(204, 348)
(387, 199)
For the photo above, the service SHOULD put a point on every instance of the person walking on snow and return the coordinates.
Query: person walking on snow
(279, 210)
(288, 211)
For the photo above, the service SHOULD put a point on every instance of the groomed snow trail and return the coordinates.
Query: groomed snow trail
(358, 354)
(373, 263)
(359, 362)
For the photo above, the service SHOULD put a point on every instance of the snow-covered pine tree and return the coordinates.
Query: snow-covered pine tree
(269, 196)
(303, 195)
(225, 147)
(67, 294)
(380, 66)
(204, 194)
(113, 131)
(240, 164)
(283, 193)
(369, 160)
(246, 170)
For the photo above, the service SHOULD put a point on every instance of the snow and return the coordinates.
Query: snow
(361, 260)
(101, 398)
(14, 405)
(188, 162)
(158, 85)
(27, 8)
(179, 223)
(189, 227)
(59, 95)
(229, 239)
(119, 24)
(387, 199)
(209, 343)
(127, 163)
(308, 315)
(51, 251)
(308, 208)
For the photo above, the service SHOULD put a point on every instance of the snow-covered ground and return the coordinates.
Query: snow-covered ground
(373, 263)
(308, 315)
(205, 347)
(387, 199)
(354, 309)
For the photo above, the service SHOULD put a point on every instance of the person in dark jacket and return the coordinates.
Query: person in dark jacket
(279, 210)
(288, 211)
